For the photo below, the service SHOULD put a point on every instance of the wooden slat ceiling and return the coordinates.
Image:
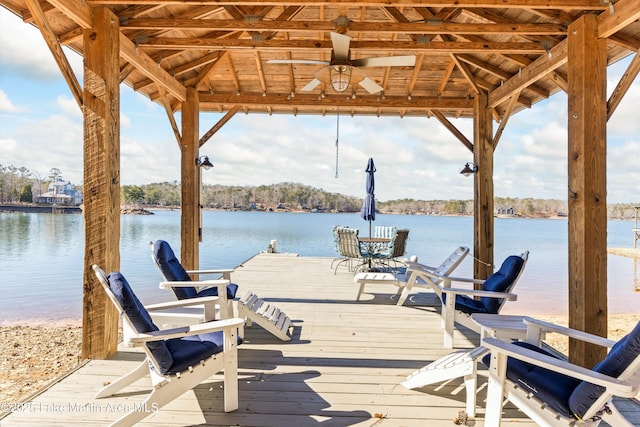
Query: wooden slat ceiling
(513, 49)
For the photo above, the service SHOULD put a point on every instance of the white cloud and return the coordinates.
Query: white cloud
(36, 62)
(6, 106)
(69, 106)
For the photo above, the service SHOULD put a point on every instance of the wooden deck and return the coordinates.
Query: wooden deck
(343, 366)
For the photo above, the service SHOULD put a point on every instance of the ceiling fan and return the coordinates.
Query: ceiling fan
(342, 71)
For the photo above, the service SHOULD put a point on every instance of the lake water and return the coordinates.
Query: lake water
(41, 255)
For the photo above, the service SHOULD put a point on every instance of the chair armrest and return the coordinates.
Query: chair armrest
(613, 385)
(180, 303)
(411, 265)
(480, 293)
(461, 279)
(572, 333)
(196, 284)
(184, 331)
(217, 271)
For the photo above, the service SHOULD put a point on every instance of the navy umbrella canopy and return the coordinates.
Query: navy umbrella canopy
(368, 211)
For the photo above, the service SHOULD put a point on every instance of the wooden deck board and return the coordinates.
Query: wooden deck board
(343, 366)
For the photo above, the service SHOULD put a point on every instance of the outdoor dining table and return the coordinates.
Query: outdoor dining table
(372, 243)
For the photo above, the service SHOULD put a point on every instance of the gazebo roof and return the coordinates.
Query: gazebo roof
(515, 50)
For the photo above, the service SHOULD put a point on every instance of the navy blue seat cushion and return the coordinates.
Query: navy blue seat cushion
(173, 271)
(173, 355)
(232, 289)
(500, 281)
(619, 358)
(189, 351)
(139, 317)
(550, 387)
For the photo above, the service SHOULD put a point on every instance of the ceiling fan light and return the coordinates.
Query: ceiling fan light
(340, 77)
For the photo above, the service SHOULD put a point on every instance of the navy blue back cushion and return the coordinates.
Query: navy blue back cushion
(139, 317)
(618, 359)
(501, 281)
(548, 386)
(172, 269)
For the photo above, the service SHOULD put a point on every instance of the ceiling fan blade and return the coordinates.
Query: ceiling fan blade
(340, 46)
(386, 61)
(296, 61)
(370, 85)
(311, 85)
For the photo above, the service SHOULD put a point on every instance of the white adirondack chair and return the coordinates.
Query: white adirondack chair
(458, 304)
(416, 275)
(424, 276)
(553, 392)
(212, 347)
(250, 307)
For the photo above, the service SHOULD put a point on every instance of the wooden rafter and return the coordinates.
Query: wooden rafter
(625, 12)
(454, 130)
(172, 120)
(55, 48)
(81, 14)
(215, 128)
(623, 85)
(530, 74)
(505, 118)
(468, 75)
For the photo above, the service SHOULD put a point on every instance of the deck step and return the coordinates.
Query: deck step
(267, 315)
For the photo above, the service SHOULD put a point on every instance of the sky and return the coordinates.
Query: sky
(415, 158)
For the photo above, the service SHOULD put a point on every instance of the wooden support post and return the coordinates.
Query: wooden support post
(101, 101)
(190, 215)
(587, 187)
(483, 239)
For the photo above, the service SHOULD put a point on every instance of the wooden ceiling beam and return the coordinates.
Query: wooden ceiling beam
(497, 72)
(624, 13)
(304, 45)
(434, 26)
(310, 100)
(530, 74)
(497, 4)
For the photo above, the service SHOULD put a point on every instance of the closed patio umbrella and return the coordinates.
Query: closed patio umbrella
(368, 211)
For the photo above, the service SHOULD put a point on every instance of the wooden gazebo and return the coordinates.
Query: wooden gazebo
(480, 59)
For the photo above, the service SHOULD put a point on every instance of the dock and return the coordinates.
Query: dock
(342, 367)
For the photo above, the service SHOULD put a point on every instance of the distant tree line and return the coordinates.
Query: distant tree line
(21, 185)
(282, 196)
(293, 196)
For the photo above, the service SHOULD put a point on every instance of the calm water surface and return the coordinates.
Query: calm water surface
(41, 255)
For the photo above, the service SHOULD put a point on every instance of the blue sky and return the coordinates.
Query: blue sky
(41, 128)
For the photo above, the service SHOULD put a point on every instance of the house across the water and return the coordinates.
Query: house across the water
(60, 193)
